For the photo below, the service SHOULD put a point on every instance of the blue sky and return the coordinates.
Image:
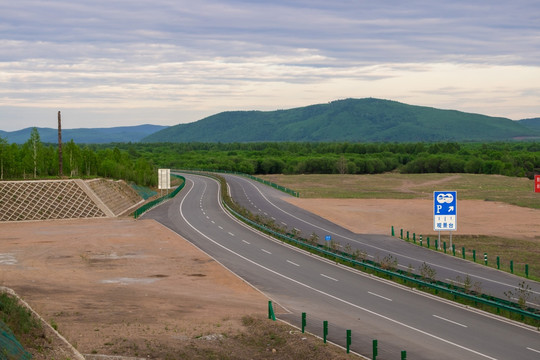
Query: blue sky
(127, 62)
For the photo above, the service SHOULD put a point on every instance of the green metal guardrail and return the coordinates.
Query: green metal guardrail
(156, 202)
(262, 181)
(437, 286)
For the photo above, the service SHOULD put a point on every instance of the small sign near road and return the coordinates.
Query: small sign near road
(444, 210)
(164, 179)
(328, 238)
(537, 183)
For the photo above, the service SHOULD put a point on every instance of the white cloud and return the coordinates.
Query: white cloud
(179, 60)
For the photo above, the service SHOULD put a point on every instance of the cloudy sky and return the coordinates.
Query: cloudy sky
(127, 62)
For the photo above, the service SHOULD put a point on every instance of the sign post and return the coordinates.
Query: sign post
(445, 212)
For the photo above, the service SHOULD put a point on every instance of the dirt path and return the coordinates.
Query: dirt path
(408, 186)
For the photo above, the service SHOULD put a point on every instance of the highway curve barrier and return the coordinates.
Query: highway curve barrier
(501, 306)
(156, 202)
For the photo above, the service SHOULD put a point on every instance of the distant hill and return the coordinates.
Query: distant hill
(86, 136)
(355, 120)
(533, 124)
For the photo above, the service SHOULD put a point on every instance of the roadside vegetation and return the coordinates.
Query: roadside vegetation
(520, 159)
(137, 162)
(36, 160)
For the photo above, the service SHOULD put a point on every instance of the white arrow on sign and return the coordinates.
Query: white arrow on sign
(450, 208)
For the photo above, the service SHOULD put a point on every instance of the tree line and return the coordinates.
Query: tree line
(138, 162)
(503, 158)
(36, 160)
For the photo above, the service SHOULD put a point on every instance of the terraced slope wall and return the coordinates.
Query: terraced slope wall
(44, 200)
(64, 199)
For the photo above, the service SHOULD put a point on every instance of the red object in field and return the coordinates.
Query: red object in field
(536, 183)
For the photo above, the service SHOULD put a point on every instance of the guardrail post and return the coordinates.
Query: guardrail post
(474, 255)
(271, 314)
(348, 341)
(512, 266)
(463, 252)
(325, 330)
(403, 355)
(444, 246)
(498, 263)
(427, 242)
(414, 237)
(485, 259)
(407, 235)
(527, 271)
(421, 241)
(401, 236)
(375, 351)
(303, 322)
(454, 249)
(436, 244)
(392, 230)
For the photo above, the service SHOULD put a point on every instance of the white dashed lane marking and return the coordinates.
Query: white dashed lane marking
(329, 277)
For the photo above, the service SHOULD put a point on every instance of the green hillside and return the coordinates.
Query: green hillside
(354, 120)
(533, 124)
(85, 136)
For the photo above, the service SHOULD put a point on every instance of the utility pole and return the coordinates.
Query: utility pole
(60, 160)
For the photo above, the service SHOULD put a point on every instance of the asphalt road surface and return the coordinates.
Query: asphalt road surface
(398, 317)
(267, 201)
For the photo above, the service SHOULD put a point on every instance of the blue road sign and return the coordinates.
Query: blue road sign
(444, 210)
(328, 238)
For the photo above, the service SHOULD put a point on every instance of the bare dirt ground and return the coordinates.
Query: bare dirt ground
(377, 216)
(134, 288)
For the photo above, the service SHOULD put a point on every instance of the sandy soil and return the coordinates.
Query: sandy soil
(377, 216)
(120, 286)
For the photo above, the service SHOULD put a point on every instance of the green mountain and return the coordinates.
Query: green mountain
(533, 124)
(85, 136)
(354, 120)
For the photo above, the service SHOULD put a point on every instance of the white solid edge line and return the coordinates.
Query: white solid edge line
(324, 293)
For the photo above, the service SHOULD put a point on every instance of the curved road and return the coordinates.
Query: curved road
(264, 200)
(399, 318)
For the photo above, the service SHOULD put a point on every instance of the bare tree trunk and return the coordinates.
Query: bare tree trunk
(35, 158)
(60, 160)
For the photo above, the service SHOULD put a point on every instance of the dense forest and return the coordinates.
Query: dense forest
(36, 160)
(137, 162)
(511, 159)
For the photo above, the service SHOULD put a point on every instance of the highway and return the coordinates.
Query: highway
(398, 317)
(267, 201)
